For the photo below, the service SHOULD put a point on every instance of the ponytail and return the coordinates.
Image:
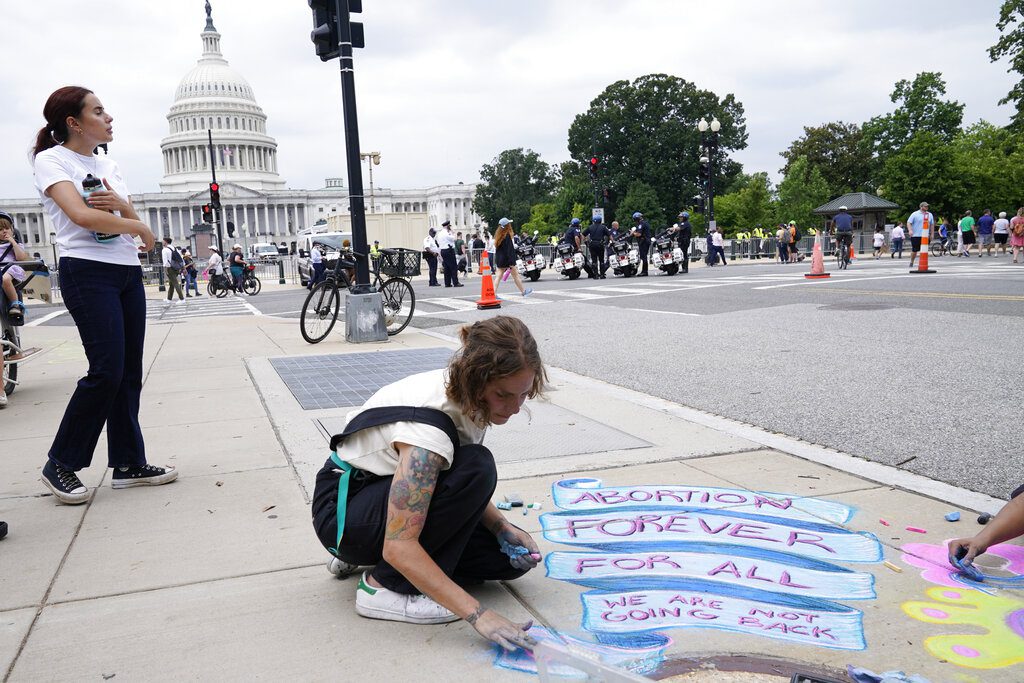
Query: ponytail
(64, 102)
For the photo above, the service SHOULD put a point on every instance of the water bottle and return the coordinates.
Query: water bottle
(89, 185)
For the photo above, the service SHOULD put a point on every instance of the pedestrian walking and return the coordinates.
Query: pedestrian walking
(1001, 232)
(478, 247)
(986, 229)
(434, 477)
(446, 243)
(173, 265)
(782, 240)
(878, 241)
(191, 273)
(316, 264)
(718, 245)
(431, 251)
(462, 255)
(1017, 233)
(897, 236)
(967, 237)
(916, 224)
(101, 283)
(794, 242)
(642, 233)
(505, 257)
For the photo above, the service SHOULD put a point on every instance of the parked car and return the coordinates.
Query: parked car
(331, 243)
(265, 252)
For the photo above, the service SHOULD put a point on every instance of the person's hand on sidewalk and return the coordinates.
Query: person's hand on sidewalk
(512, 535)
(500, 630)
(972, 547)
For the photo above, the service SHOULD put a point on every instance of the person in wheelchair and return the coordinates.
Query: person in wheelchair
(11, 251)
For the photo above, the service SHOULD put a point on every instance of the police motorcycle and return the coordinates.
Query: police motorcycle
(529, 262)
(567, 260)
(624, 258)
(665, 254)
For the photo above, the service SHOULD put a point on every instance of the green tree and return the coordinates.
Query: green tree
(640, 197)
(755, 203)
(989, 163)
(800, 192)
(512, 183)
(839, 152)
(1011, 46)
(543, 219)
(646, 130)
(924, 170)
(574, 187)
(920, 107)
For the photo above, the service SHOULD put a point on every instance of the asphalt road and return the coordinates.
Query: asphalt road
(918, 371)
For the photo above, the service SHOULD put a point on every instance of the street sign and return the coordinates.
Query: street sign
(597, 212)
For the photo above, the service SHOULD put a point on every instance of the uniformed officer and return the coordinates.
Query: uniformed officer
(572, 234)
(598, 236)
(446, 241)
(613, 235)
(642, 232)
(684, 233)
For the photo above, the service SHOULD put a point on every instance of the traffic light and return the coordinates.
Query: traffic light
(207, 213)
(328, 30)
(705, 169)
(230, 228)
(215, 195)
(593, 167)
(699, 206)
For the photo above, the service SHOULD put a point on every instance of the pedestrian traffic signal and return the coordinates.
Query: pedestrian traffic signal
(215, 195)
(699, 206)
(207, 213)
(593, 167)
(705, 169)
(231, 229)
(329, 28)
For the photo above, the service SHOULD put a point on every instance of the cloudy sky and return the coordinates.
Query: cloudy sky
(443, 86)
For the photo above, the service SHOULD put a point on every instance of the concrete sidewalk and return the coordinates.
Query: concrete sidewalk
(655, 541)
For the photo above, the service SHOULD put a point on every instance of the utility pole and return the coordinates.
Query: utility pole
(213, 182)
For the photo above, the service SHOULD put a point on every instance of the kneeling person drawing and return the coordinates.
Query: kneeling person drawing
(409, 484)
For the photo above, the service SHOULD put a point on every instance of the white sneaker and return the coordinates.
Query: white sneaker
(340, 568)
(380, 603)
(3, 398)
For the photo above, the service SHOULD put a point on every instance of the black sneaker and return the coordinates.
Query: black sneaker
(142, 475)
(65, 484)
(3, 529)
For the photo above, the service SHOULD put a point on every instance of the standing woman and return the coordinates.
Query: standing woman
(101, 282)
(237, 263)
(505, 257)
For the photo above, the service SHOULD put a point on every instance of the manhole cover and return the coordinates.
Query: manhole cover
(855, 307)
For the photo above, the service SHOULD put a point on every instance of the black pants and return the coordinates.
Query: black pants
(432, 265)
(597, 259)
(451, 269)
(452, 535)
(685, 248)
(645, 247)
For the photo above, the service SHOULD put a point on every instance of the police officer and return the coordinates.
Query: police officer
(431, 250)
(642, 232)
(683, 234)
(572, 234)
(598, 237)
(446, 241)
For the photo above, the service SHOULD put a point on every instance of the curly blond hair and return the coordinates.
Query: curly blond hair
(492, 349)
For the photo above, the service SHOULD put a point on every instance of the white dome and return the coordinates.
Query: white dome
(214, 97)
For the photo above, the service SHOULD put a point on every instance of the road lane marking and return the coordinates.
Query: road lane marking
(651, 310)
(931, 295)
(48, 316)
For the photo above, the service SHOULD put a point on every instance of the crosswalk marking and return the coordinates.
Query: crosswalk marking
(198, 308)
(623, 290)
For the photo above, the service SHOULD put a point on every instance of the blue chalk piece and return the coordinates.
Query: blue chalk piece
(513, 551)
(503, 506)
(953, 517)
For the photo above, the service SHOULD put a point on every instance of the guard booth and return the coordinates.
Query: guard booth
(868, 211)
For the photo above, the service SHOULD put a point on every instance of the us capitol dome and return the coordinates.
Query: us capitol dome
(213, 96)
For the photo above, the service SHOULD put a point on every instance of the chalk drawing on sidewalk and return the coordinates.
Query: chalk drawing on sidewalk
(962, 602)
(757, 563)
(640, 655)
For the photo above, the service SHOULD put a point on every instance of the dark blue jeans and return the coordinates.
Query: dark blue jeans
(108, 304)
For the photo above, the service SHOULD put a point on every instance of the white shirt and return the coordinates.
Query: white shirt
(445, 240)
(430, 245)
(373, 449)
(716, 239)
(897, 233)
(59, 164)
(216, 264)
(1001, 225)
(878, 239)
(166, 253)
(315, 256)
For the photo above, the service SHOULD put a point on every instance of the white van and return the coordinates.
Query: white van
(265, 251)
(331, 243)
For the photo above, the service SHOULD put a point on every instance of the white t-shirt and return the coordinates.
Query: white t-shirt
(878, 239)
(373, 449)
(215, 264)
(716, 239)
(897, 233)
(59, 164)
(316, 256)
(1002, 225)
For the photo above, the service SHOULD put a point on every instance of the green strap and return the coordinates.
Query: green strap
(346, 471)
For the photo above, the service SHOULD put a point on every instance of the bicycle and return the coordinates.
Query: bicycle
(322, 306)
(943, 247)
(10, 337)
(251, 284)
(219, 285)
(844, 241)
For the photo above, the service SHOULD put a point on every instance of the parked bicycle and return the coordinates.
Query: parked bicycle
(10, 336)
(323, 304)
(251, 284)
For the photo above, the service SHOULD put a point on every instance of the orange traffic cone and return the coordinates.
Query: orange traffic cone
(817, 262)
(487, 298)
(922, 256)
(853, 257)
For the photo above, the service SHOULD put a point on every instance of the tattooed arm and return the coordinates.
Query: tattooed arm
(411, 492)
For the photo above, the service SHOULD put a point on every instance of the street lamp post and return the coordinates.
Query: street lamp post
(374, 158)
(709, 150)
(53, 244)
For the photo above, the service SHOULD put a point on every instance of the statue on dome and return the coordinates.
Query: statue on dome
(209, 10)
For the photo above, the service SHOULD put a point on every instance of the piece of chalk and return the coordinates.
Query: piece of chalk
(890, 565)
(514, 499)
(535, 506)
(916, 530)
(984, 518)
(953, 516)
(883, 522)
(525, 511)
(503, 506)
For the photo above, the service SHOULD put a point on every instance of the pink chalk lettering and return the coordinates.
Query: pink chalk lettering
(727, 567)
(787, 580)
(588, 562)
(761, 501)
(586, 496)
(707, 528)
(746, 530)
(730, 498)
(571, 525)
(812, 539)
(752, 574)
(661, 495)
(749, 621)
(700, 614)
(607, 525)
(819, 632)
(676, 527)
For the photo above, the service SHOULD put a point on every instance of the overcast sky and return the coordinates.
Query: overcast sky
(444, 85)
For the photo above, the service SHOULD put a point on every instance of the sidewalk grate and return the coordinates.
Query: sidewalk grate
(348, 379)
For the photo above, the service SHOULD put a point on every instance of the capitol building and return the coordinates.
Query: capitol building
(254, 198)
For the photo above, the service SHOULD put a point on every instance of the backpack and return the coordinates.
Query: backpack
(797, 235)
(1018, 228)
(177, 263)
